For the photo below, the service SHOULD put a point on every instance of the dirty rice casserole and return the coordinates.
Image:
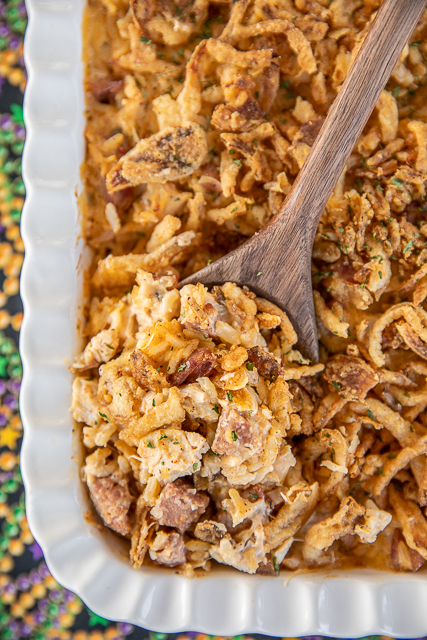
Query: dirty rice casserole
(207, 434)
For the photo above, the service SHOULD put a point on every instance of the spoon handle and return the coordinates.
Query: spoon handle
(368, 75)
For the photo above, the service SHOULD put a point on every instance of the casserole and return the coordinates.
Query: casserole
(80, 557)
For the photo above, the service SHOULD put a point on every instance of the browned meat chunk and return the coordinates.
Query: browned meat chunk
(402, 557)
(237, 118)
(265, 363)
(200, 364)
(145, 373)
(210, 531)
(350, 376)
(309, 131)
(112, 502)
(267, 569)
(235, 435)
(106, 89)
(168, 548)
(179, 505)
(121, 199)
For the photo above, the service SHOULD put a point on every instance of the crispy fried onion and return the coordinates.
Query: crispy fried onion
(169, 22)
(296, 38)
(381, 416)
(410, 399)
(329, 406)
(241, 509)
(255, 61)
(296, 373)
(328, 318)
(289, 333)
(352, 377)
(244, 553)
(139, 534)
(375, 520)
(249, 145)
(413, 331)
(120, 272)
(412, 282)
(300, 502)
(393, 465)
(171, 154)
(414, 525)
(169, 413)
(333, 447)
(231, 211)
(322, 535)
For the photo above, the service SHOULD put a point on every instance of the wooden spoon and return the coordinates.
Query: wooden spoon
(276, 262)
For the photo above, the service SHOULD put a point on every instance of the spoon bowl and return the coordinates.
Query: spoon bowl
(276, 262)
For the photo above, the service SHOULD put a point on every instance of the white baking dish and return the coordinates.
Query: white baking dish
(83, 559)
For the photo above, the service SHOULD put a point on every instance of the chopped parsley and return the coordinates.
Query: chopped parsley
(234, 436)
(229, 396)
(195, 465)
(250, 366)
(380, 471)
(336, 384)
(253, 496)
(149, 444)
(215, 408)
(370, 414)
(237, 161)
(104, 416)
(276, 565)
(153, 403)
(259, 273)
(182, 366)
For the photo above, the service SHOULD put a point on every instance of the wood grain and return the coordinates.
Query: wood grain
(276, 262)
